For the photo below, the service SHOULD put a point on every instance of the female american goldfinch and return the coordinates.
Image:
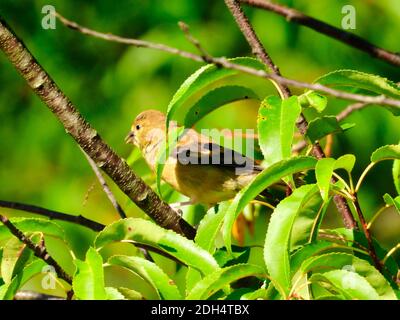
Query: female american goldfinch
(198, 168)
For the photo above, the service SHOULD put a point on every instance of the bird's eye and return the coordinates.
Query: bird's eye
(138, 127)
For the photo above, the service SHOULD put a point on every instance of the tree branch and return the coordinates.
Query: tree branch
(105, 186)
(39, 250)
(302, 125)
(255, 43)
(82, 221)
(223, 62)
(346, 37)
(78, 219)
(368, 236)
(88, 139)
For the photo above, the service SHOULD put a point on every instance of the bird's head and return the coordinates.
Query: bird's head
(148, 128)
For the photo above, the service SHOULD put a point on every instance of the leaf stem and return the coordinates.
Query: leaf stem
(363, 175)
(390, 253)
(376, 215)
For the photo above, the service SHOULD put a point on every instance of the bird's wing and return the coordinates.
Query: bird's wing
(196, 149)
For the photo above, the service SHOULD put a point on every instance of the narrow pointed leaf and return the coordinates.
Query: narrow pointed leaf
(147, 232)
(389, 200)
(348, 283)
(276, 127)
(149, 271)
(353, 79)
(33, 225)
(277, 241)
(221, 278)
(215, 99)
(262, 181)
(8, 290)
(204, 77)
(389, 152)
(323, 172)
(321, 127)
(88, 282)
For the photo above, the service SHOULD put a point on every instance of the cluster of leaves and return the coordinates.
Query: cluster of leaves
(300, 260)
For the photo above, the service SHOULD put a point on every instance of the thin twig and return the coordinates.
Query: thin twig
(77, 219)
(185, 28)
(350, 109)
(223, 62)
(346, 37)
(87, 137)
(39, 250)
(105, 186)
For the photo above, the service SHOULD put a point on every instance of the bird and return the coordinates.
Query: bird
(200, 169)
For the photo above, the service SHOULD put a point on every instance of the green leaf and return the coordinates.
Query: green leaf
(277, 242)
(215, 99)
(389, 152)
(396, 175)
(320, 127)
(8, 290)
(88, 282)
(262, 181)
(149, 271)
(268, 293)
(147, 232)
(314, 100)
(348, 283)
(221, 278)
(276, 127)
(210, 226)
(308, 250)
(33, 225)
(206, 235)
(204, 77)
(350, 79)
(114, 294)
(130, 294)
(357, 79)
(392, 201)
(339, 260)
(238, 255)
(346, 162)
(323, 172)
(15, 256)
(308, 220)
(357, 239)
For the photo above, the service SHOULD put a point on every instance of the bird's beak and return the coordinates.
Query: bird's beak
(130, 138)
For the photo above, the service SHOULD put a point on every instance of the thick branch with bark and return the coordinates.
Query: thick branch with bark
(346, 37)
(87, 138)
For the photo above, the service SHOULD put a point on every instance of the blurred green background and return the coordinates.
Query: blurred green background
(111, 83)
